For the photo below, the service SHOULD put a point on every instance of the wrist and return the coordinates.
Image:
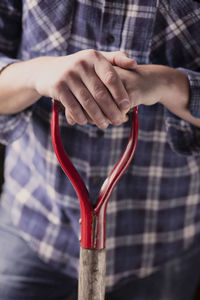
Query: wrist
(177, 96)
(176, 90)
(20, 94)
(38, 74)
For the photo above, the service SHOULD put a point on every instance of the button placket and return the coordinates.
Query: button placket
(110, 38)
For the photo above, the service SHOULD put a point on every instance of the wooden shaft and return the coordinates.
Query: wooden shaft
(92, 268)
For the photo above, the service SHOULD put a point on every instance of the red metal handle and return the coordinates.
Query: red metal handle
(93, 219)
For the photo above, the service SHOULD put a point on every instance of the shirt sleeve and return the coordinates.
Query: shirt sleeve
(184, 138)
(11, 126)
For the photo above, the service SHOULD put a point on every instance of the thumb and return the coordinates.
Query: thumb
(120, 59)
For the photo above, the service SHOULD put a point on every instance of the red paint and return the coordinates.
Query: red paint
(93, 220)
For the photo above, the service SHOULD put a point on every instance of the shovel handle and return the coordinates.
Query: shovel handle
(92, 268)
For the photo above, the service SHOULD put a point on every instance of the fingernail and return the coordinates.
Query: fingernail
(124, 104)
(132, 61)
(118, 121)
(71, 121)
(104, 124)
(82, 119)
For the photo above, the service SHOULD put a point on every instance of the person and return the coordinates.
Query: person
(100, 59)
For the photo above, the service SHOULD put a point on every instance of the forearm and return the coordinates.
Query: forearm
(176, 95)
(17, 93)
(85, 82)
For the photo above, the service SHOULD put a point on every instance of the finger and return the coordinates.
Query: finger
(102, 97)
(112, 81)
(88, 118)
(72, 107)
(120, 59)
(69, 118)
(88, 103)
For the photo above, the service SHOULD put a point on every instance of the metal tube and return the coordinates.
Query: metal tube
(92, 269)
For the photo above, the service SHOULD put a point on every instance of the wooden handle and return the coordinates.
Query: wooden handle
(92, 269)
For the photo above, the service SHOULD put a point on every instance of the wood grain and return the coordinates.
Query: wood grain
(92, 268)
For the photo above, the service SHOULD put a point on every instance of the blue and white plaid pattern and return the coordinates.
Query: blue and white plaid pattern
(154, 212)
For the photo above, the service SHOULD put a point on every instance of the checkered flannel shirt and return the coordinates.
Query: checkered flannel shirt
(154, 212)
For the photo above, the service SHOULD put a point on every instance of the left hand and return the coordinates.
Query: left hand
(150, 84)
(145, 84)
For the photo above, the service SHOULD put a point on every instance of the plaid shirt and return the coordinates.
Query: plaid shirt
(154, 212)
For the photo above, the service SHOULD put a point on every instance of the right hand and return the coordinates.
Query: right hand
(87, 85)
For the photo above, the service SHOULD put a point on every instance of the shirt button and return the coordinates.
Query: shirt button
(110, 38)
(96, 180)
(100, 133)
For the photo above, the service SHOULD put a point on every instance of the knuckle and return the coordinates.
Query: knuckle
(73, 107)
(98, 87)
(85, 97)
(99, 93)
(57, 85)
(75, 112)
(97, 115)
(112, 117)
(110, 78)
(69, 73)
(92, 52)
(81, 63)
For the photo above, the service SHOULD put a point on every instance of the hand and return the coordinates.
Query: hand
(149, 84)
(145, 84)
(88, 86)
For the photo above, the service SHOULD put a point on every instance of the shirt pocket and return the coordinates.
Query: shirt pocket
(46, 26)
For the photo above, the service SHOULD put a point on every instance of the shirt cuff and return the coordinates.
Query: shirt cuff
(12, 126)
(194, 82)
(183, 137)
